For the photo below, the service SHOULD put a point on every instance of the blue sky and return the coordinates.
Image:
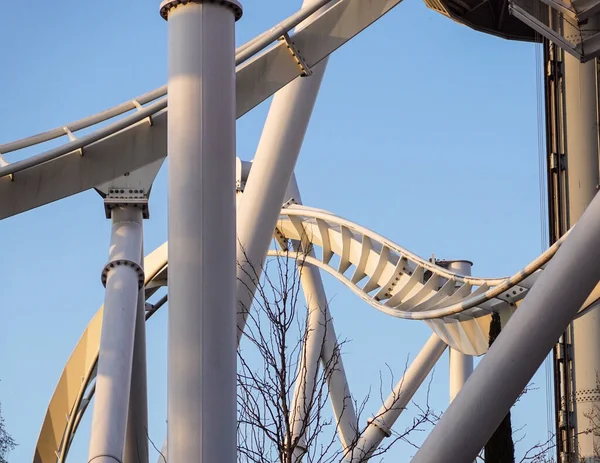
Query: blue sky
(424, 131)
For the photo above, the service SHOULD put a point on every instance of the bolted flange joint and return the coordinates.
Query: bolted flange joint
(127, 263)
(234, 5)
(379, 423)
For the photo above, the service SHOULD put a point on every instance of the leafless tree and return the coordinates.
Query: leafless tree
(7, 443)
(272, 364)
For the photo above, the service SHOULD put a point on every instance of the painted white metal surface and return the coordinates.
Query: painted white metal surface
(201, 385)
(267, 182)
(461, 365)
(380, 426)
(132, 142)
(520, 348)
(136, 443)
(321, 345)
(70, 391)
(583, 180)
(123, 279)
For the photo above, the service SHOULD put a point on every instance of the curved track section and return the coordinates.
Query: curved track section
(388, 277)
(399, 283)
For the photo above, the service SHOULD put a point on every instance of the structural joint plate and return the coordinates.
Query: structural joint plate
(582, 40)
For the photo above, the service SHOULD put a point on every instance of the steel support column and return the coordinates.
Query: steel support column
(123, 277)
(136, 443)
(581, 100)
(520, 348)
(461, 365)
(321, 343)
(272, 168)
(201, 147)
(380, 426)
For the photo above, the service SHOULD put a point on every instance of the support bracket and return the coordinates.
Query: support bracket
(306, 70)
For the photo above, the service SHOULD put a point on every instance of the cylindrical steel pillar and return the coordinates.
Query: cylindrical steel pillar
(461, 365)
(581, 101)
(520, 348)
(381, 425)
(201, 146)
(272, 169)
(123, 277)
(136, 443)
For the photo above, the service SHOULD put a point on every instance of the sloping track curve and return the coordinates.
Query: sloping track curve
(361, 259)
(139, 139)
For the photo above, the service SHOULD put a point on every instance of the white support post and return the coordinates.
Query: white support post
(123, 277)
(272, 169)
(136, 443)
(321, 343)
(520, 348)
(581, 101)
(461, 365)
(201, 147)
(380, 426)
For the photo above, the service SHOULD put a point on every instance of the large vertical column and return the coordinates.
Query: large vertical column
(136, 443)
(272, 169)
(123, 277)
(581, 101)
(201, 147)
(461, 365)
(520, 348)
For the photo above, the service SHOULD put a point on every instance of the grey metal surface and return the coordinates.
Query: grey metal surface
(570, 24)
(582, 152)
(113, 154)
(122, 280)
(265, 188)
(201, 384)
(520, 348)
(136, 442)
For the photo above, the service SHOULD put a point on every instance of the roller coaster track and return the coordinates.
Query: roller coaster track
(388, 277)
(385, 275)
(140, 138)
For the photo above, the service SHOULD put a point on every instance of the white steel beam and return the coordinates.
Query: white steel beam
(115, 152)
(201, 422)
(123, 278)
(520, 348)
(380, 426)
(272, 169)
(461, 365)
(321, 343)
(136, 443)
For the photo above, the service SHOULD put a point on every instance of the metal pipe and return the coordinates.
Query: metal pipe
(136, 442)
(461, 365)
(243, 53)
(520, 348)
(123, 278)
(272, 168)
(201, 145)
(337, 385)
(321, 343)
(380, 426)
(581, 118)
(266, 38)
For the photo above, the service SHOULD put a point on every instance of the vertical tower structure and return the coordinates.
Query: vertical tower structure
(581, 124)
(201, 395)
